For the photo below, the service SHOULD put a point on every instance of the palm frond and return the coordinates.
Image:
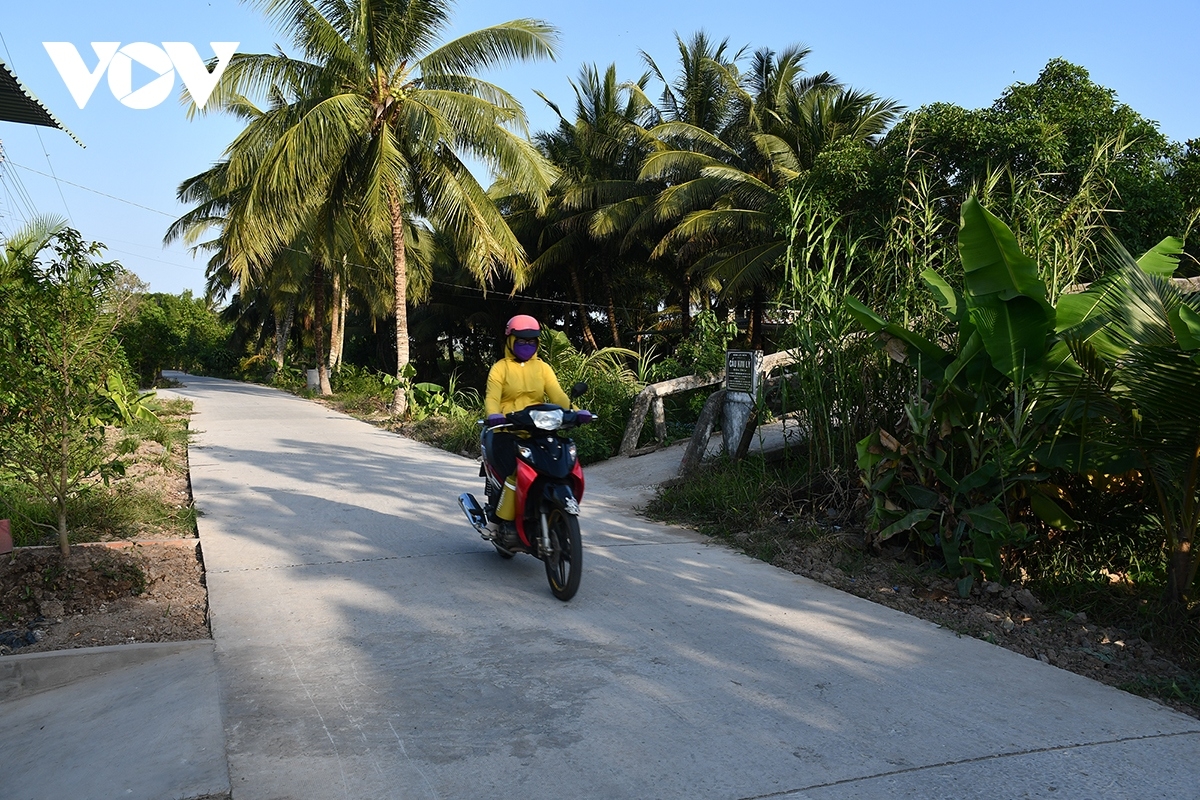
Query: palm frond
(518, 40)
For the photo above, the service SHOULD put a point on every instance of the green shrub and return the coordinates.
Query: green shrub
(612, 386)
(181, 332)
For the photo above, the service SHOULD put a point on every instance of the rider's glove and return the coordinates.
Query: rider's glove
(495, 419)
(583, 417)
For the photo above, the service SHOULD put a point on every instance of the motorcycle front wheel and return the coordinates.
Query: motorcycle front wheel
(564, 562)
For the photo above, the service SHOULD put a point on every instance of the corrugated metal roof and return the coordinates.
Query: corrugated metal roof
(17, 104)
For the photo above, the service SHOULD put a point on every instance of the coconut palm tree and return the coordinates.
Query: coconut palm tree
(597, 152)
(696, 106)
(782, 120)
(1135, 338)
(379, 121)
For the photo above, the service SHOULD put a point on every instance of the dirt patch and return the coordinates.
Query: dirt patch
(142, 582)
(1008, 616)
(102, 595)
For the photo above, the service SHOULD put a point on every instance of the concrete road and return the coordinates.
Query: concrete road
(370, 645)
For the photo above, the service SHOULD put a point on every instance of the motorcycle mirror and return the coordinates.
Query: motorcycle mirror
(578, 389)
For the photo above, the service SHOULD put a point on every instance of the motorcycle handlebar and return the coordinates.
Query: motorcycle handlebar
(483, 424)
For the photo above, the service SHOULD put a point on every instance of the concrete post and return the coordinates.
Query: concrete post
(742, 368)
(736, 415)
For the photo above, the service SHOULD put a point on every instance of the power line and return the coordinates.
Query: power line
(16, 189)
(525, 297)
(150, 258)
(93, 191)
(57, 182)
(37, 130)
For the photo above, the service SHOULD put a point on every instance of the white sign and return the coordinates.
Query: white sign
(118, 61)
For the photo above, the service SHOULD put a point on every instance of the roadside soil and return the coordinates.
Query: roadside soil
(147, 586)
(1008, 616)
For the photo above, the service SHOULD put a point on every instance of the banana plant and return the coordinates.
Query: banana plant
(961, 472)
(124, 406)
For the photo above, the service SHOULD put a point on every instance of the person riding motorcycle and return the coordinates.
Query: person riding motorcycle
(518, 380)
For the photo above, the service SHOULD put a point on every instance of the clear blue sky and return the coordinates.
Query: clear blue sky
(914, 52)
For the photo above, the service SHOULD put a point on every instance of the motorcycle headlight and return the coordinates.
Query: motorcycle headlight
(571, 453)
(524, 452)
(547, 420)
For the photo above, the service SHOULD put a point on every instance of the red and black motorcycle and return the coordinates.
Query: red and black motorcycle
(549, 486)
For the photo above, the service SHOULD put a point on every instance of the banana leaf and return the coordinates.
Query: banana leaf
(1014, 333)
(1162, 259)
(1185, 322)
(905, 523)
(993, 263)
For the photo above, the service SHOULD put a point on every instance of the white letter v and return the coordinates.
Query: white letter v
(196, 77)
(80, 82)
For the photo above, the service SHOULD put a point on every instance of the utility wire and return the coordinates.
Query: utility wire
(93, 191)
(57, 182)
(369, 267)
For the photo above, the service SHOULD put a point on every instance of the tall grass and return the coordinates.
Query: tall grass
(840, 383)
(1061, 233)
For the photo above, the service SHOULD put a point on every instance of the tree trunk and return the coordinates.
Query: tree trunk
(685, 307)
(337, 334)
(283, 331)
(342, 329)
(400, 272)
(755, 323)
(1179, 569)
(612, 313)
(64, 482)
(584, 327)
(319, 326)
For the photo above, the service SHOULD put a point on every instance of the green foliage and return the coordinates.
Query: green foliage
(612, 385)
(56, 349)
(726, 499)
(838, 382)
(457, 434)
(350, 380)
(121, 509)
(701, 352)
(1129, 389)
(124, 406)
(1053, 128)
(1101, 385)
(431, 400)
(959, 471)
(176, 332)
(97, 513)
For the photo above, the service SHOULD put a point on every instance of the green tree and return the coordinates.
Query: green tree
(1053, 128)
(1134, 342)
(738, 203)
(57, 348)
(378, 123)
(166, 331)
(598, 153)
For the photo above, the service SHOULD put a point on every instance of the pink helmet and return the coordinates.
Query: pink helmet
(523, 326)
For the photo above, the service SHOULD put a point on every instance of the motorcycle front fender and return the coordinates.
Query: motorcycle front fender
(559, 495)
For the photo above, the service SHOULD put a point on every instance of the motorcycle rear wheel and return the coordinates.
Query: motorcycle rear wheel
(564, 562)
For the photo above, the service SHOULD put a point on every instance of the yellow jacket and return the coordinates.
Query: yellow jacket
(513, 384)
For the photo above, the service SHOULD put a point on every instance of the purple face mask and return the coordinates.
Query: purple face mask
(524, 350)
